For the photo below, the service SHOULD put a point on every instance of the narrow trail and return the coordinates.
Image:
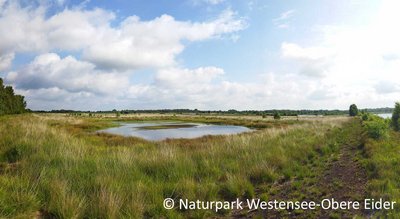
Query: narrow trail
(342, 178)
(345, 180)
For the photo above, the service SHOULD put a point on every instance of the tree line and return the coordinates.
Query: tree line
(272, 112)
(10, 103)
(264, 113)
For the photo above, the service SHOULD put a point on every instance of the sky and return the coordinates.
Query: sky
(203, 54)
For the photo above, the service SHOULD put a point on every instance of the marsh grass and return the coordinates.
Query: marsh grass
(383, 163)
(61, 168)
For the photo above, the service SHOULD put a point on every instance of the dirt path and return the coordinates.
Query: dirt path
(340, 177)
(345, 180)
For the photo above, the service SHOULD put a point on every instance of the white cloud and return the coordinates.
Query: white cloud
(356, 62)
(314, 61)
(131, 44)
(50, 71)
(294, 51)
(25, 33)
(5, 61)
(52, 82)
(110, 54)
(77, 29)
(177, 78)
(385, 87)
(155, 43)
(348, 64)
(204, 88)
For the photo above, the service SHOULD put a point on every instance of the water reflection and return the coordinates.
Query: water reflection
(164, 130)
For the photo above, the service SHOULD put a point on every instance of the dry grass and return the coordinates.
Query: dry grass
(69, 172)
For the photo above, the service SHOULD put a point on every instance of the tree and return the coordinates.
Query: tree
(10, 103)
(396, 117)
(353, 111)
(277, 116)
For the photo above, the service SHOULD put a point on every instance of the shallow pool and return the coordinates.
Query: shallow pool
(156, 131)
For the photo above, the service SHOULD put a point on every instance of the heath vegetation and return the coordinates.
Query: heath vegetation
(58, 166)
(55, 165)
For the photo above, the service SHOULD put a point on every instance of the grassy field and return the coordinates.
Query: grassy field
(383, 164)
(56, 166)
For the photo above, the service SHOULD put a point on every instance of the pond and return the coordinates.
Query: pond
(156, 131)
(385, 115)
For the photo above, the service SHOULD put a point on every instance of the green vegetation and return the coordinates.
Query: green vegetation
(331, 172)
(375, 126)
(55, 166)
(231, 113)
(353, 110)
(248, 121)
(277, 116)
(10, 103)
(382, 159)
(396, 117)
(282, 112)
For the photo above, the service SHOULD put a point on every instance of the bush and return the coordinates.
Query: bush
(376, 127)
(365, 117)
(277, 116)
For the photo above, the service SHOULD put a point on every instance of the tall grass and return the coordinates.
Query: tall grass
(383, 162)
(51, 166)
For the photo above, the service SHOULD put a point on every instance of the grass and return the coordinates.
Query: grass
(383, 163)
(309, 180)
(56, 166)
(249, 122)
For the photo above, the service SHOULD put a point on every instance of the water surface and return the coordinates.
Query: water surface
(385, 115)
(156, 131)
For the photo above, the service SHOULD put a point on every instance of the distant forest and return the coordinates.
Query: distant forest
(10, 103)
(284, 112)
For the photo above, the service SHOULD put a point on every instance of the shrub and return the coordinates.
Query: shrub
(377, 128)
(277, 116)
(365, 117)
(396, 117)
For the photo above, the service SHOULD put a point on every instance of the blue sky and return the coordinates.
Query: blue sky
(206, 54)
